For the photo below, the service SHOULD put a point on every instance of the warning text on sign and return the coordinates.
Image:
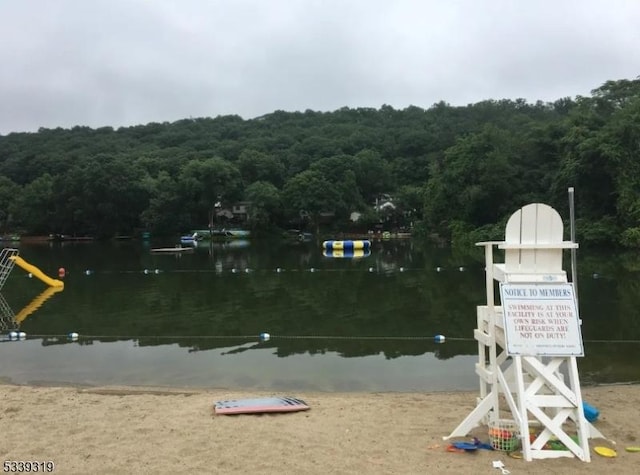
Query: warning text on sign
(541, 319)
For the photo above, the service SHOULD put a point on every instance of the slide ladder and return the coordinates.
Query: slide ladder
(7, 262)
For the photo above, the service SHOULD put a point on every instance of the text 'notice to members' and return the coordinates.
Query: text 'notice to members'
(541, 319)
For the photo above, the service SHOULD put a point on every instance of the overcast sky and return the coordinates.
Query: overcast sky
(125, 62)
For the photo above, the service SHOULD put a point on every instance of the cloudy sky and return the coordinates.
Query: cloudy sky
(124, 62)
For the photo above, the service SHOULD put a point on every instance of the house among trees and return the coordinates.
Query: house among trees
(384, 204)
(238, 211)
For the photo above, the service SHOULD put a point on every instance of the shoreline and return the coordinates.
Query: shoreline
(150, 429)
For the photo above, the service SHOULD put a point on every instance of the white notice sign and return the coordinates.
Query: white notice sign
(541, 319)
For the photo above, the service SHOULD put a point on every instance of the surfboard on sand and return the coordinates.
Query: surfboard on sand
(259, 405)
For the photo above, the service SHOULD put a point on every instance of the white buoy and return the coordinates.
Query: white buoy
(22, 336)
(438, 269)
(312, 270)
(87, 272)
(402, 269)
(264, 337)
(247, 270)
(234, 270)
(461, 269)
(13, 336)
(73, 336)
(146, 271)
(156, 271)
(30, 275)
(439, 338)
(278, 270)
(370, 269)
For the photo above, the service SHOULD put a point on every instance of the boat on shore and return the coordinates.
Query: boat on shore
(298, 235)
(204, 234)
(10, 238)
(68, 237)
(171, 250)
(191, 239)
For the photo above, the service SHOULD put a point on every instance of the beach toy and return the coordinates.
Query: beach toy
(466, 446)
(605, 451)
(504, 436)
(452, 448)
(482, 445)
(632, 449)
(555, 444)
(500, 465)
(590, 413)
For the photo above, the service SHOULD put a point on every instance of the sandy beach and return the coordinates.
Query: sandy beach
(139, 430)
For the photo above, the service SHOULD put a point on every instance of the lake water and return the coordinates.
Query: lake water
(335, 324)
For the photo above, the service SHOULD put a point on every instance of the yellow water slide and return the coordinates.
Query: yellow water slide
(36, 272)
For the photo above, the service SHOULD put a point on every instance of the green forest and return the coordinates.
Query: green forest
(456, 172)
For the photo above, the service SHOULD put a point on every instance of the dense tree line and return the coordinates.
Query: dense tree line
(452, 171)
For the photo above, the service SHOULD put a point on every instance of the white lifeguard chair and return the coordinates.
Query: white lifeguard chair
(522, 374)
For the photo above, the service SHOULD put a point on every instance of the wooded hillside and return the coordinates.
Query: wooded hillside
(455, 171)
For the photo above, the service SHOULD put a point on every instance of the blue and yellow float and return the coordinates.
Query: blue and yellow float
(346, 245)
(346, 254)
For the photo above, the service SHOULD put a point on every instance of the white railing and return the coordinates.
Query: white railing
(6, 263)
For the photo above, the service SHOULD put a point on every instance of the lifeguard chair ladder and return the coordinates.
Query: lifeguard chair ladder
(533, 387)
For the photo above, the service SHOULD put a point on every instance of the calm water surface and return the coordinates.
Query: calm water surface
(334, 324)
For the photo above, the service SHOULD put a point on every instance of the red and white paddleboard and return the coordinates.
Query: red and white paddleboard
(252, 406)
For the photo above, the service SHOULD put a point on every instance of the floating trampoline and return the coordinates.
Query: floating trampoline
(346, 245)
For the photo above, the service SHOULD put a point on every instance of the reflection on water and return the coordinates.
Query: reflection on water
(122, 362)
(10, 321)
(349, 324)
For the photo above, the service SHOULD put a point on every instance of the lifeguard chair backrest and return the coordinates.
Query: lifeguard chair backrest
(536, 227)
